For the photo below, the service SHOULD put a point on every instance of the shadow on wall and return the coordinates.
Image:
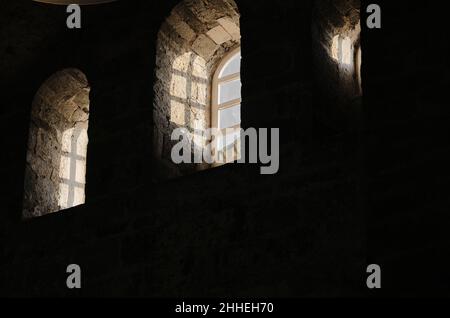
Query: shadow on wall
(190, 45)
(337, 61)
(57, 147)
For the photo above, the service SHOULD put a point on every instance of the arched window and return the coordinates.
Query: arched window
(226, 107)
(197, 38)
(57, 147)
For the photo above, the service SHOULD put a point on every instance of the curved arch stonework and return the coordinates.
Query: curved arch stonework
(57, 146)
(191, 43)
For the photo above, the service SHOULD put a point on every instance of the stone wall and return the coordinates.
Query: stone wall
(59, 118)
(405, 80)
(337, 49)
(225, 232)
(191, 43)
(341, 200)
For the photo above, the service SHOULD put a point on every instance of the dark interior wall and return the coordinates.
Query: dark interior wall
(226, 231)
(406, 79)
(118, 63)
(37, 44)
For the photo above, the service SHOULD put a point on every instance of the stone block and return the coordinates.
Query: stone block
(219, 35)
(205, 47)
(181, 27)
(231, 28)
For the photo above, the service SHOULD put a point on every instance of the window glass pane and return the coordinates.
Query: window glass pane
(229, 91)
(229, 140)
(229, 117)
(233, 66)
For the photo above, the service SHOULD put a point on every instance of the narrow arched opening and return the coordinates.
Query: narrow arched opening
(57, 147)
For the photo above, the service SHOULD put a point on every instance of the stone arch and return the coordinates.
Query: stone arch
(337, 55)
(57, 147)
(190, 45)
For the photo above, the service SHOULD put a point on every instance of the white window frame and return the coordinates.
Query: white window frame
(216, 107)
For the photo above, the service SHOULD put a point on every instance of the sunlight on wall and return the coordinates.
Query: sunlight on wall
(72, 171)
(335, 48)
(177, 110)
(358, 69)
(191, 43)
(342, 50)
(347, 51)
(190, 95)
(57, 146)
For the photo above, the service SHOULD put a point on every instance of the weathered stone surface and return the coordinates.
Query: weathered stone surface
(231, 28)
(204, 46)
(181, 27)
(191, 43)
(60, 105)
(219, 35)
